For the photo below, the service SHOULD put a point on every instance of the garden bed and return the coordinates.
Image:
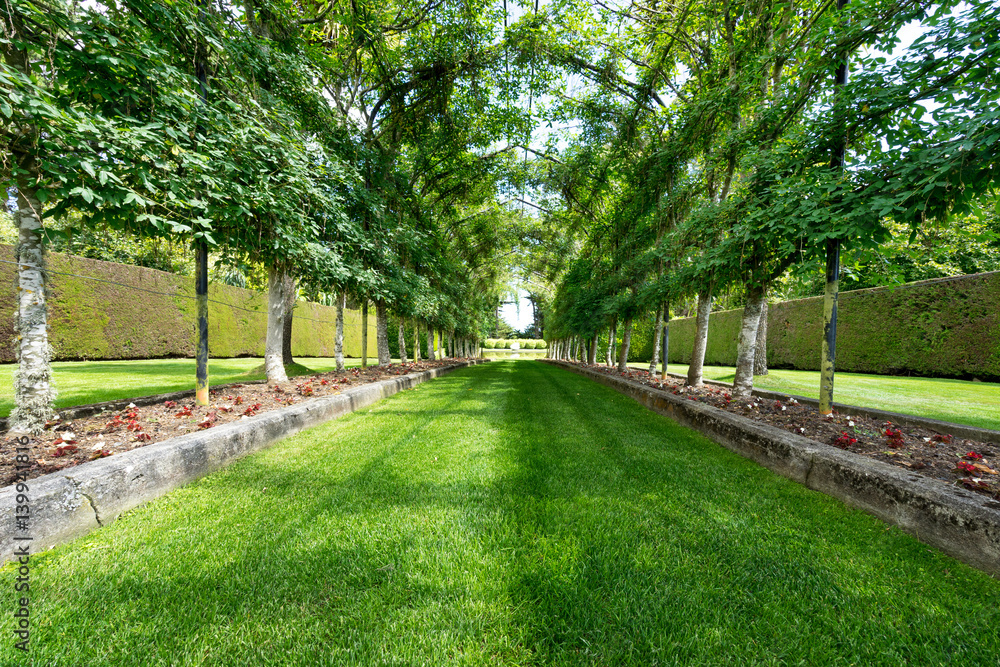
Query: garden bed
(69, 441)
(932, 452)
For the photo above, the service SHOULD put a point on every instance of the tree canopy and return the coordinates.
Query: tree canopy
(435, 156)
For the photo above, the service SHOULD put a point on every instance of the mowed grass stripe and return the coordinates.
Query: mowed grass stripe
(685, 552)
(512, 513)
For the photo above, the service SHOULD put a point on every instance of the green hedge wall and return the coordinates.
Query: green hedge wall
(945, 327)
(152, 314)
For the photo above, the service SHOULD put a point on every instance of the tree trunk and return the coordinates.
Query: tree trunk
(743, 382)
(201, 303)
(274, 365)
(382, 333)
(286, 338)
(34, 394)
(657, 334)
(364, 334)
(695, 377)
(828, 358)
(593, 352)
(612, 334)
(760, 352)
(626, 344)
(338, 346)
(666, 341)
(402, 342)
(430, 344)
(416, 341)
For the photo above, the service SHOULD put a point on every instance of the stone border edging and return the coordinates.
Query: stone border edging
(70, 503)
(962, 524)
(935, 425)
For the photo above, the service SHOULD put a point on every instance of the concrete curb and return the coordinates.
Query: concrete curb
(70, 503)
(960, 523)
(934, 425)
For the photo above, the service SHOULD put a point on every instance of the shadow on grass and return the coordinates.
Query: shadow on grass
(540, 518)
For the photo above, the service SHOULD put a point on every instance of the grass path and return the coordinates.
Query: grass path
(957, 401)
(508, 514)
(84, 382)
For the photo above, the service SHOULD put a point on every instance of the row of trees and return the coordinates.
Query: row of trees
(341, 148)
(724, 147)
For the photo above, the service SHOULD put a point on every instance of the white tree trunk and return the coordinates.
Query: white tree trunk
(430, 344)
(743, 382)
(338, 346)
(274, 365)
(34, 393)
(657, 333)
(695, 370)
(382, 333)
(402, 342)
(626, 344)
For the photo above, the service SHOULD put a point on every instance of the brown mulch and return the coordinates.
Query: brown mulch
(68, 443)
(939, 455)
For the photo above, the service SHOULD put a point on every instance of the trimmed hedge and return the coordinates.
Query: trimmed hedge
(505, 343)
(152, 314)
(944, 327)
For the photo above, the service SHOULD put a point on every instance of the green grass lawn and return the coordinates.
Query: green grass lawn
(507, 514)
(83, 382)
(957, 401)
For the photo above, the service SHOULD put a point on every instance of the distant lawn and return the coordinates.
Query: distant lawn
(958, 401)
(511, 514)
(84, 382)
